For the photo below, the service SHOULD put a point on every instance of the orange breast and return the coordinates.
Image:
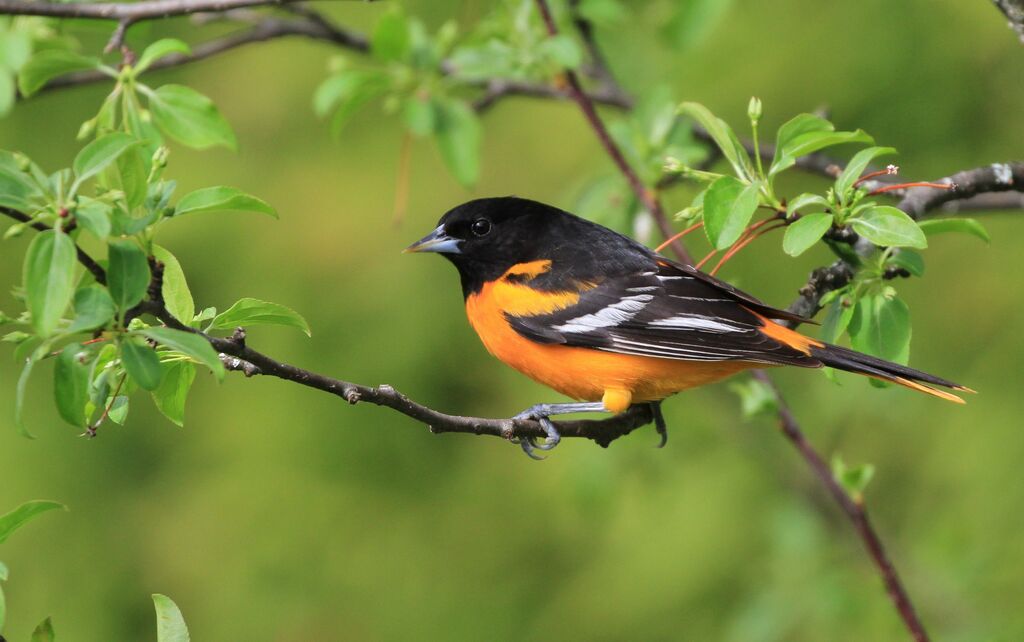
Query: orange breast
(581, 373)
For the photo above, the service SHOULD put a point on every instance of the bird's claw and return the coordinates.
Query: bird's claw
(659, 423)
(529, 444)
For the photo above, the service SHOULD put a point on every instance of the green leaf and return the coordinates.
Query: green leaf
(8, 92)
(837, 319)
(794, 127)
(420, 115)
(806, 200)
(98, 154)
(159, 49)
(756, 398)
(94, 216)
(49, 279)
(909, 260)
(255, 312)
(934, 226)
(142, 364)
(133, 171)
(190, 344)
(221, 199)
(177, 296)
(118, 412)
(170, 624)
(458, 138)
(127, 274)
(44, 632)
(71, 384)
(170, 396)
(50, 63)
(805, 232)
(723, 136)
(853, 480)
(561, 50)
(391, 38)
(347, 91)
(17, 189)
(22, 385)
(728, 206)
(889, 227)
(880, 326)
(190, 118)
(857, 165)
(816, 141)
(93, 309)
(23, 514)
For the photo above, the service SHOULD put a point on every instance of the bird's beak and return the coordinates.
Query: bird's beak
(436, 241)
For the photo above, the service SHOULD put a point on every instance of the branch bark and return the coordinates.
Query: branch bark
(646, 196)
(854, 510)
(128, 11)
(1014, 12)
(251, 362)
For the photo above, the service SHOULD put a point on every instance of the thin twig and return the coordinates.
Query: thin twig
(266, 29)
(602, 431)
(87, 261)
(856, 512)
(646, 196)
(133, 11)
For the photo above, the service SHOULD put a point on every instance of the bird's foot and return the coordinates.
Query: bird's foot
(541, 413)
(659, 423)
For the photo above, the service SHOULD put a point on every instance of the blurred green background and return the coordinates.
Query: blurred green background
(280, 513)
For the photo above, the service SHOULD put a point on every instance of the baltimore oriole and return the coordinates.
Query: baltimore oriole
(605, 320)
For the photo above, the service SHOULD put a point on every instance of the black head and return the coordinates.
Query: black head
(487, 236)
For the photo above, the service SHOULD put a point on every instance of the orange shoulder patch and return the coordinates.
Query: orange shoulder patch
(785, 336)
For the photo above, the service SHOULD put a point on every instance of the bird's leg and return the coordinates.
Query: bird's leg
(541, 413)
(659, 423)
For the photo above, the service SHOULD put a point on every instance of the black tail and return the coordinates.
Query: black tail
(851, 361)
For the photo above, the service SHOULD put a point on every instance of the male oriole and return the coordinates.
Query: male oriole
(605, 320)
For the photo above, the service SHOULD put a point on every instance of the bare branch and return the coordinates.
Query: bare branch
(266, 29)
(238, 356)
(998, 177)
(1014, 12)
(646, 196)
(854, 510)
(127, 11)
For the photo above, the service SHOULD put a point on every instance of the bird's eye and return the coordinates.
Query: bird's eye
(480, 227)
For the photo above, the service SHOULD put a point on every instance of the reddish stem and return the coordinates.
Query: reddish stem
(645, 195)
(881, 172)
(678, 236)
(744, 243)
(889, 188)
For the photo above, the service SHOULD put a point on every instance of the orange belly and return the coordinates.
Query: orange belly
(581, 373)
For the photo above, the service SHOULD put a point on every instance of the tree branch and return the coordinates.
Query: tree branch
(1000, 185)
(269, 28)
(130, 11)
(87, 261)
(237, 356)
(243, 358)
(646, 197)
(855, 511)
(998, 177)
(1014, 12)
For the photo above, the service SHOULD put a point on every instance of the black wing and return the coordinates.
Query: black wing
(672, 311)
